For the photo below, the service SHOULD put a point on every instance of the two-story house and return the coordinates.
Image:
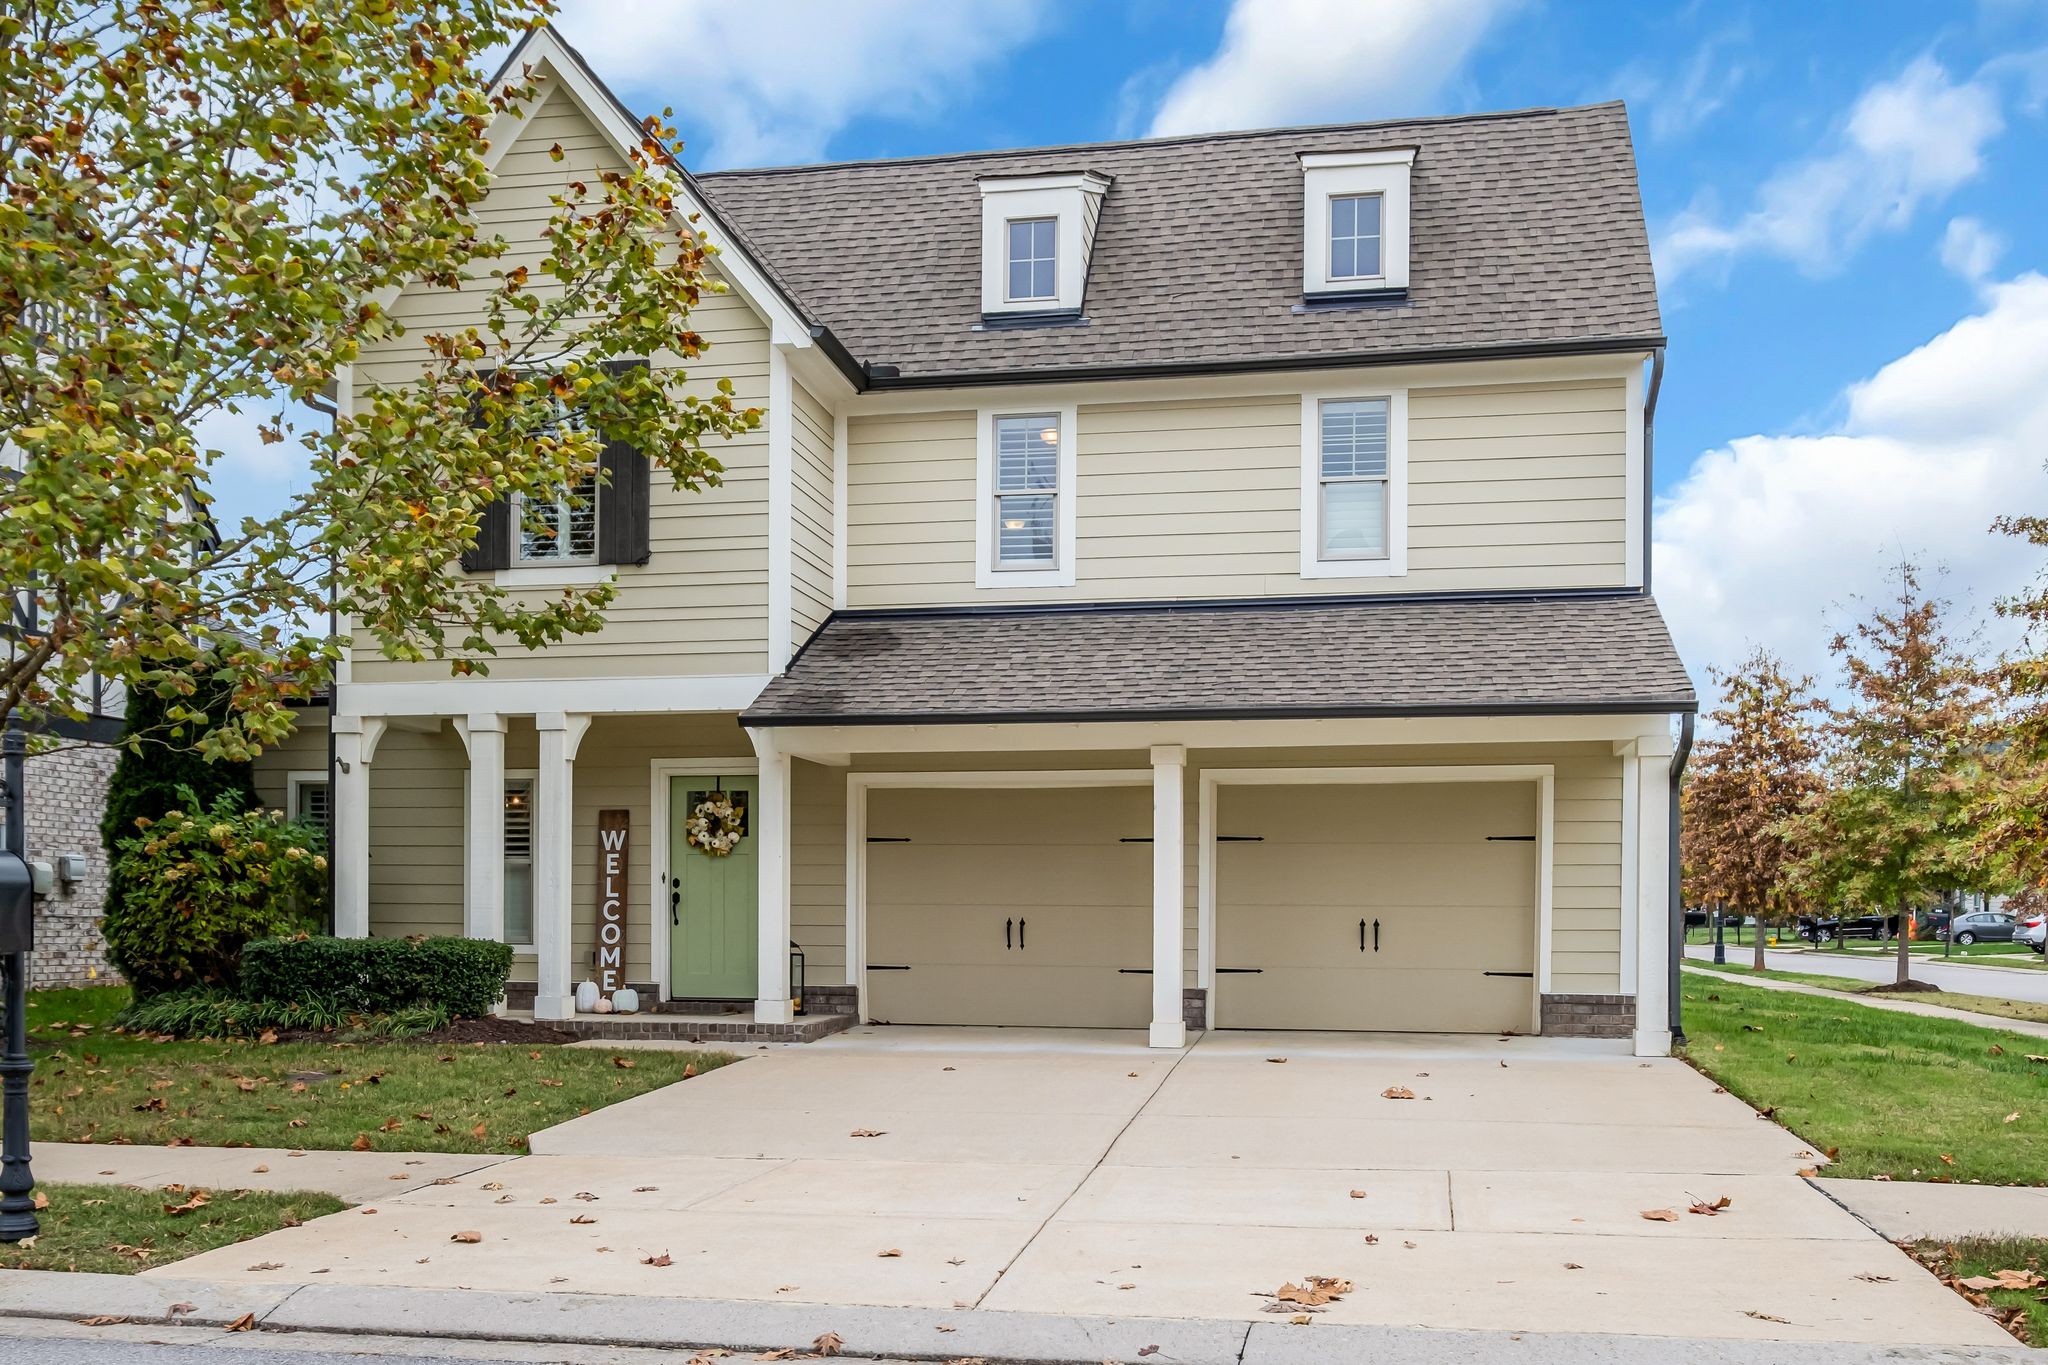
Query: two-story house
(1199, 582)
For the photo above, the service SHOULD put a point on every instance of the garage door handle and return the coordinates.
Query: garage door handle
(1020, 933)
(1006, 933)
(1361, 936)
(1375, 935)
(1239, 971)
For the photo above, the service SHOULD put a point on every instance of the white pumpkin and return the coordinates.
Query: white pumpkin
(603, 1006)
(626, 1000)
(586, 997)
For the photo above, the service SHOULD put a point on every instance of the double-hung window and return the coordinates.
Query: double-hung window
(1033, 258)
(309, 800)
(519, 860)
(1027, 491)
(561, 529)
(1353, 477)
(1355, 237)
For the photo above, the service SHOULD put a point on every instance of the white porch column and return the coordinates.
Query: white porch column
(1169, 892)
(772, 1004)
(1652, 894)
(355, 744)
(554, 821)
(483, 844)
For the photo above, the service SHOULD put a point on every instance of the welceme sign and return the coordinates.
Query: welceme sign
(614, 845)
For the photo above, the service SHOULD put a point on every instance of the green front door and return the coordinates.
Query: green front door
(712, 914)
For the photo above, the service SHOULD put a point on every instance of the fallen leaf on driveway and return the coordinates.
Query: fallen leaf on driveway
(582, 1218)
(663, 1259)
(467, 1237)
(1873, 1277)
(1702, 1206)
(1313, 1291)
(786, 1353)
(247, 1322)
(645, 1189)
(268, 1265)
(259, 1170)
(104, 1320)
(1280, 1060)
(868, 1132)
(1763, 1317)
(1358, 1194)
(1573, 1265)
(180, 1309)
(1397, 1092)
(1660, 1215)
(887, 1252)
(827, 1344)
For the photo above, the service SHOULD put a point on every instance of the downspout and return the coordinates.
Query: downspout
(1650, 455)
(1685, 724)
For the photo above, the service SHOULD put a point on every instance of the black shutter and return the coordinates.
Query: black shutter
(623, 497)
(493, 546)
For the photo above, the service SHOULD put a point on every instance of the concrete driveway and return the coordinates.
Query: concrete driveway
(1082, 1173)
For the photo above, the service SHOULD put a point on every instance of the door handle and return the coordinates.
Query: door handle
(1375, 935)
(675, 900)
(1020, 933)
(1361, 936)
(1006, 934)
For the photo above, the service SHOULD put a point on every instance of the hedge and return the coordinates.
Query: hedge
(464, 976)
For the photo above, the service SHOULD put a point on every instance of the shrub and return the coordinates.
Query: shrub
(159, 771)
(207, 1012)
(464, 976)
(200, 884)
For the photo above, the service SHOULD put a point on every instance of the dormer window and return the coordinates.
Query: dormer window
(1034, 259)
(1036, 235)
(1355, 222)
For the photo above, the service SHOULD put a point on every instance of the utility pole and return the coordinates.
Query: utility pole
(17, 1184)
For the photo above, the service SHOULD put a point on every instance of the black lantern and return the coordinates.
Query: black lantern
(796, 978)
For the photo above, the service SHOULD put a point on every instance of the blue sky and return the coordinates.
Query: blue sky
(1845, 202)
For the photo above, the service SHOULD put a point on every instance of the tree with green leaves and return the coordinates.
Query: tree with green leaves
(1756, 766)
(2010, 814)
(1905, 748)
(208, 206)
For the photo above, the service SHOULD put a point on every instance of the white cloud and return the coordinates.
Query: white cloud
(1673, 103)
(770, 83)
(1309, 61)
(1771, 539)
(1970, 249)
(1908, 141)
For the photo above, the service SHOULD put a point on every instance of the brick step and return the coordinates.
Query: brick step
(699, 1028)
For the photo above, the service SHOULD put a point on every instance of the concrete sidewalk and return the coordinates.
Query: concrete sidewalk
(1914, 1209)
(1901, 1004)
(40, 1312)
(357, 1177)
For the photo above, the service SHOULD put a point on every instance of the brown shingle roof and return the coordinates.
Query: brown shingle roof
(1527, 234)
(1393, 657)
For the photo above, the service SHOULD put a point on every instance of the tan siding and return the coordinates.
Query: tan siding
(304, 750)
(1510, 486)
(811, 500)
(416, 834)
(817, 872)
(700, 603)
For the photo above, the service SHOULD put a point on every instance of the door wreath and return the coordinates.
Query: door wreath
(714, 826)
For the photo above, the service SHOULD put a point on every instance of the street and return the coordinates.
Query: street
(2007, 983)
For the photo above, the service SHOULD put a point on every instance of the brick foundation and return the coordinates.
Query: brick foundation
(738, 1028)
(1194, 1008)
(66, 795)
(1589, 1016)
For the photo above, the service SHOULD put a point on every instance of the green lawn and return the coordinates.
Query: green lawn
(115, 1230)
(93, 1084)
(1892, 1094)
(2033, 1011)
(1984, 954)
(2024, 1312)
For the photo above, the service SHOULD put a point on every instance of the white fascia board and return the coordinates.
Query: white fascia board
(705, 692)
(550, 58)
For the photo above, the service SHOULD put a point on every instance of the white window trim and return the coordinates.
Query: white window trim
(566, 573)
(1059, 197)
(1395, 564)
(307, 777)
(531, 776)
(1328, 175)
(1010, 262)
(986, 574)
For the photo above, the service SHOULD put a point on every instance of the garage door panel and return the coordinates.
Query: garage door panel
(1377, 875)
(1418, 1000)
(1319, 813)
(1031, 817)
(1010, 993)
(922, 873)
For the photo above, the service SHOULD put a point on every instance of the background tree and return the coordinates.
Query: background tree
(1904, 749)
(2010, 814)
(205, 207)
(1754, 769)
(158, 758)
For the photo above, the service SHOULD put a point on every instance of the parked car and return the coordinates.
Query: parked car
(1932, 923)
(1983, 926)
(2033, 931)
(1879, 927)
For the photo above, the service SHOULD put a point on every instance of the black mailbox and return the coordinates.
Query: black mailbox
(17, 904)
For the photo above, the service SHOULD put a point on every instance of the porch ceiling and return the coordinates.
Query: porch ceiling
(1560, 655)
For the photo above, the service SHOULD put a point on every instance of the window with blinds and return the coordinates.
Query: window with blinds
(1353, 478)
(519, 861)
(1027, 491)
(561, 529)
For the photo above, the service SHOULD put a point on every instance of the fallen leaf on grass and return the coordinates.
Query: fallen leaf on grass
(2013, 1117)
(663, 1259)
(2004, 1279)
(1397, 1092)
(1763, 1317)
(1947, 1159)
(41, 1201)
(477, 1132)
(623, 1063)
(1660, 1215)
(198, 1200)
(390, 1125)
(361, 1144)
(296, 1123)
(247, 1322)
(468, 1238)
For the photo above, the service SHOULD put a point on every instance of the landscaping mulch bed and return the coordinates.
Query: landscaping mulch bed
(1902, 988)
(494, 1030)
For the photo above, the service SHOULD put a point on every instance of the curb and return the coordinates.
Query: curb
(900, 1334)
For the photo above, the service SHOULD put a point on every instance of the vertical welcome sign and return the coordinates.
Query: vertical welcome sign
(614, 840)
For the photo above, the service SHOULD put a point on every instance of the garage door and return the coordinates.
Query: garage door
(1406, 908)
(1010, 906)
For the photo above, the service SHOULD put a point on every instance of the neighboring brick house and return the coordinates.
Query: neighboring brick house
(66, 791)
